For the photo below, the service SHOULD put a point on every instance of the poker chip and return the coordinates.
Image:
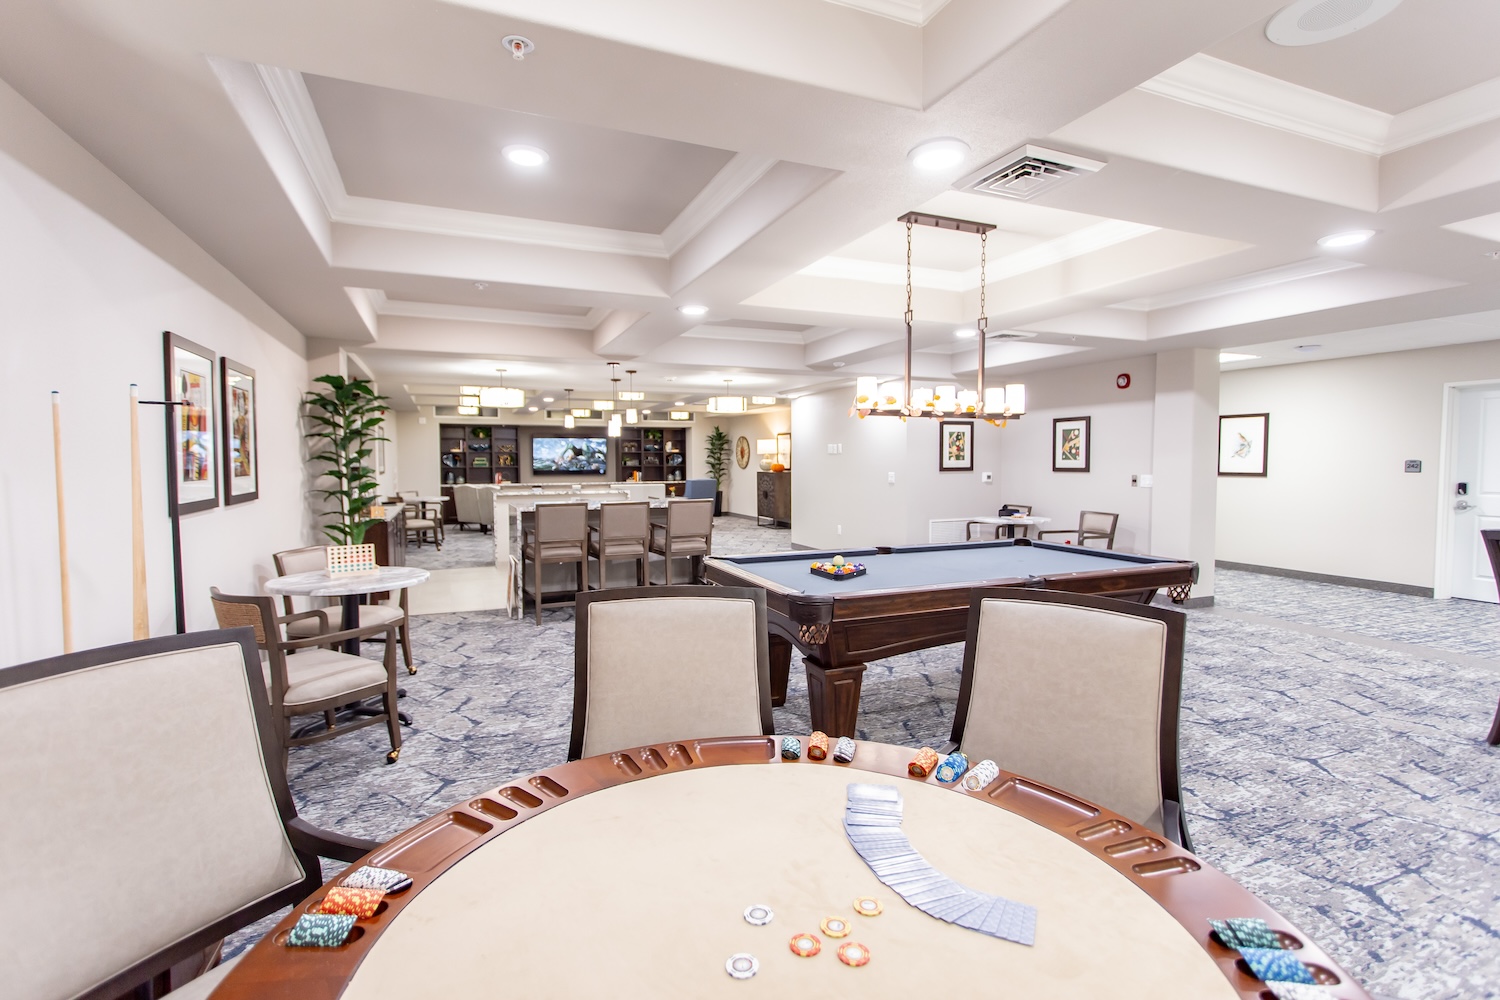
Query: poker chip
(791, 748)
(805, 945)
(952, 767)
(981, 775)
(817, 746)
(843, 750)
(835, 927)
(759, 914)
(922, 764)
(868, 906)
(742, 965)
(854, 954)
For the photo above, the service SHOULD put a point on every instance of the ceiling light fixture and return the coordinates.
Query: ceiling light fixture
(499, 397)
(1229, 357)
(693, 310)
(548, 399)
(481, 285)
(632, 415)
(525, 156)
(964, 332)
(531, 409)
(726, 403)
(1352, 238)
(613, 429)
(762, 400)
(568, 420)
(995, 404)
(938, 154)
(679, 415)
(679, 403)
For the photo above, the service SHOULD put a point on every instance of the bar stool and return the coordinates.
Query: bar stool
(624, 532)
(559, 535)
(688, 532)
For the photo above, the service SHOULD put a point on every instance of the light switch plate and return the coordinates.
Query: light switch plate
(986, 477)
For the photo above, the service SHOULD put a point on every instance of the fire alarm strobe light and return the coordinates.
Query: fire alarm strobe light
(519, 45)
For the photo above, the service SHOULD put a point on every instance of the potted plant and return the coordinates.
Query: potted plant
(718, 465)
(345, 425)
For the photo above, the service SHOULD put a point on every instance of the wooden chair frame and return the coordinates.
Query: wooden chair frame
(664, 532)
(268, 637)
(1082, 534)
(1174, 821)
(533, 540)
(403, 624)
(598, 540)
(153, 975)
(581, 645)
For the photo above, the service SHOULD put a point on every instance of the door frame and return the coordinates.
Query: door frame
(1447, 461)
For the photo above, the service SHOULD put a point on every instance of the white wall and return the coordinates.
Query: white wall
(92, 276)
(740, 492)
(1336, 499)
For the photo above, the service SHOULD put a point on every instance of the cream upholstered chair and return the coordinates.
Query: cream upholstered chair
(627, 694)
(688, 532)
(623, 532)
(559, 534)
(1092, 524)
(315, 557)
(317, 680)
(1078, 692)
(420, 526)
(132, 849)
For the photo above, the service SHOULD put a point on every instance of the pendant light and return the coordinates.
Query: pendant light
(613, 429)
(568, 420)
(632, 415)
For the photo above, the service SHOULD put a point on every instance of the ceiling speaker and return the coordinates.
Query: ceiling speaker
(1308, 22)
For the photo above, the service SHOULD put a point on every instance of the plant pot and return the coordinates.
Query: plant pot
(719, 504)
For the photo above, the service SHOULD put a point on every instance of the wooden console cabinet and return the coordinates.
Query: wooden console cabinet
(773, 498)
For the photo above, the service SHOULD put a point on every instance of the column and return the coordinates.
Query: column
(1185, 461)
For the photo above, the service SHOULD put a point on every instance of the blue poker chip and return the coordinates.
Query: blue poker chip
(742, 965)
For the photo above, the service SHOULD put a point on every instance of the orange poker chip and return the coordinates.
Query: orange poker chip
(355, 902)
(854, 954)
(806, 945)
(868, 906)
(835, 927)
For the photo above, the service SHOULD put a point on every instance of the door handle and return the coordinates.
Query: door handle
(1464, 505)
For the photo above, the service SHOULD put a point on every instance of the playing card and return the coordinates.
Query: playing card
(1298, 991)
(879, 793)
(871, 819)
(1018, 923)
(924, 898)
(1274, 965)
(900, 865)
(950, 909)
(974, 919)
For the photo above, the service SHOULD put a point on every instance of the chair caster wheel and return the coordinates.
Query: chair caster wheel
(411, 670)
(393, 756)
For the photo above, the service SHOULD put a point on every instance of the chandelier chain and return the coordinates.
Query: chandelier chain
(908, 277)
(983, 319)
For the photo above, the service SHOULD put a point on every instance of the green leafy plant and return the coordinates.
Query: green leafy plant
(345, 426)
(718, 456)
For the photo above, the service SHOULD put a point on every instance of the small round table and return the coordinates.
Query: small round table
(350, 587)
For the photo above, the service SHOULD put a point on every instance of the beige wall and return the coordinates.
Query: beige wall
(1336, 500)
(92, 276)
(740, 490)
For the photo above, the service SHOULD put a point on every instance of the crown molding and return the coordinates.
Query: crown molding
(1281, 274)
(724, 189)
(1216, 85)
(486, 314)
(913, 12)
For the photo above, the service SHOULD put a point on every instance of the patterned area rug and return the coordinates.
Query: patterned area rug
(1344, 780)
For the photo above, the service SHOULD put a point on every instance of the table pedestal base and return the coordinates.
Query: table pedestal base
(833, 696)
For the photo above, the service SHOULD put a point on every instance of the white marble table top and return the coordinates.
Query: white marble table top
(432, 499)
(319, 584)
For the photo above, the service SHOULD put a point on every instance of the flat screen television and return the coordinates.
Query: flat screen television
(576, 456)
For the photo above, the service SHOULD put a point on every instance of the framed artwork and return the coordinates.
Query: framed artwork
(742, 452)
(1242, 444)
(956, 446)
(784, 450)
(195, 441)
(237, 397)
(1070, 444)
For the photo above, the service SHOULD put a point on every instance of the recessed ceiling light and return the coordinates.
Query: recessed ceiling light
(679, 403)
(693, 310)
(965, 332)
(1353, 237)
(1228, 357)
(938, 154)
(547, 399)
(525, 156)
(481, 285)
(1308, 348)
(531, 409)
(838, 364)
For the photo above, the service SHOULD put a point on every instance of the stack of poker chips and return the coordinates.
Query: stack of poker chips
(791, 748)
(982, 774)
(922, 764)
(356, 898)
(1261, 948)
(953, 767)
(817, 746)
(843, 750)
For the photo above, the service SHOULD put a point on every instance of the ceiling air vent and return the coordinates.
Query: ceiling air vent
(1027, 172)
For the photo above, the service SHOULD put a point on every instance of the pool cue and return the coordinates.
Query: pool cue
(62, 523)
(140, 613)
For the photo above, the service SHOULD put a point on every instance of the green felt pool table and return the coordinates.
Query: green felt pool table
(914, 597)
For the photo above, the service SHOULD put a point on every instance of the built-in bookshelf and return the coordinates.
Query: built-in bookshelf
(653, 454)
(478, 453)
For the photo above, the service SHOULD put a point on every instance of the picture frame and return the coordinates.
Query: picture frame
(955, 446)
(237, 396)
(1072, 444)
(1243, 439)
(784, 450)
(194, 439)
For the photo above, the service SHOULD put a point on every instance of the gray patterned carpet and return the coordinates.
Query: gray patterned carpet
(1332, 740)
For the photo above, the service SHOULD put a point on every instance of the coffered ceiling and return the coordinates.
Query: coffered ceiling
(750, 156)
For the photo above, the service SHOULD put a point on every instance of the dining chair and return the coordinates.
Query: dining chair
(688, 531)
(1491, 539)
(559, 534)
(311, 558)
(419, 526)
(623, 532)
(136, 846)
(317, 680)
(1092, 524)
(627, 694)
(1078, 692)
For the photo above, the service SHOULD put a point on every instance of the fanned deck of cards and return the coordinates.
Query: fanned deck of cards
(872, 819)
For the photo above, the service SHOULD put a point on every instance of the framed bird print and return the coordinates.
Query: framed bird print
(1242, 444)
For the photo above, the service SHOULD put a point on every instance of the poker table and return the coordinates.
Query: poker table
(913, 597)
(628, 874)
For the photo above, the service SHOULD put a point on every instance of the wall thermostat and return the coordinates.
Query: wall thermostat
(1122, 381)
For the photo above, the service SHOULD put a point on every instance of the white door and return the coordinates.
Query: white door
(1473, 493)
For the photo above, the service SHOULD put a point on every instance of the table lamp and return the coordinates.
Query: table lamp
(766, 449)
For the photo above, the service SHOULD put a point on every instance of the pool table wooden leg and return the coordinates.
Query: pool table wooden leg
(781, 669)
(833, 696)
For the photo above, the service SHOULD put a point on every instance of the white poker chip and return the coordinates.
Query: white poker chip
(759, 915)
(742, 966)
